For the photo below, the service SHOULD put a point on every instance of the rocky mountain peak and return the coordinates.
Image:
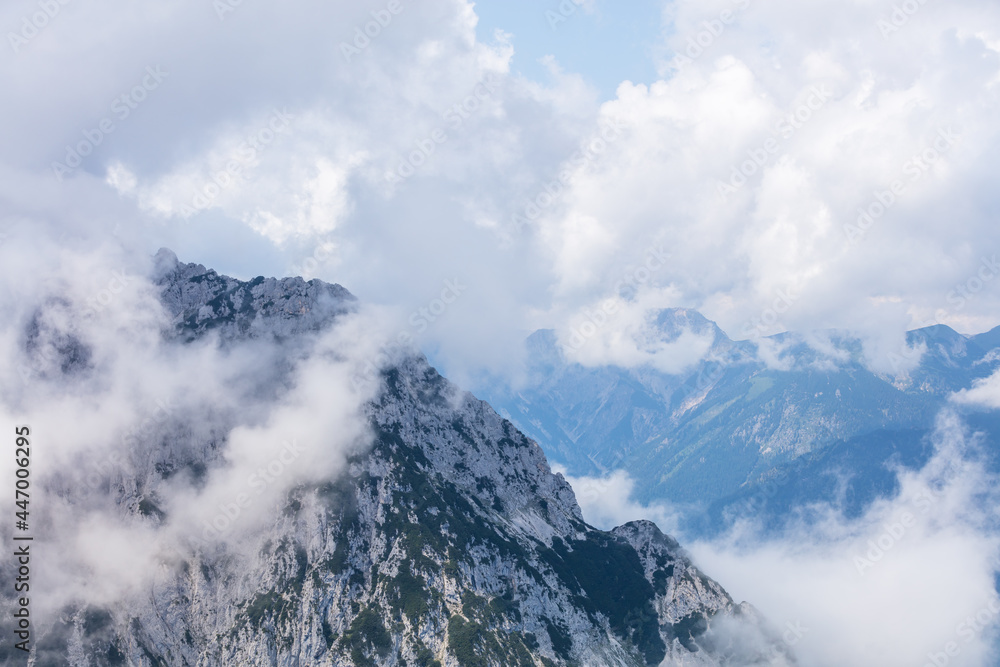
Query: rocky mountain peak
(201, 300)
(448, 541)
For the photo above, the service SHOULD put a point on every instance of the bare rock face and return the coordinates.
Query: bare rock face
(699, 621)
(201, 300)
(449, 542)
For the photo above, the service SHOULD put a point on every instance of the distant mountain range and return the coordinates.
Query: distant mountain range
(448, 542)
(733, 435)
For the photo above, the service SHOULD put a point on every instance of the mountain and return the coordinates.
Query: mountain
(732, 430)
(200, 300)
(448, 541)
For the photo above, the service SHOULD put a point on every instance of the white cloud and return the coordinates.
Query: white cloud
(905, 581)
(625, 333)
(838, 110)
(607, 502)
(807, 117)
(118, 415)
(984, 393)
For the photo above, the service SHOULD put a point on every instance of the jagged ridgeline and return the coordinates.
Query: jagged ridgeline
(448, 542)
(737, 436)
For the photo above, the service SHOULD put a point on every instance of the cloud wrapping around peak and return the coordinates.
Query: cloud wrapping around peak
(619, 332)
(148, 449)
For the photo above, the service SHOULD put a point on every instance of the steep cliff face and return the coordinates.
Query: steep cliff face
(448, 542)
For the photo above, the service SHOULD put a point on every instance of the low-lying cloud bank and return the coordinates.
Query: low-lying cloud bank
(908, 584)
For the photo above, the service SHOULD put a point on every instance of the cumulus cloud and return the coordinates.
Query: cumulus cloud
(622, 332)
(805, 166)
(910, 582)
(750, 160)
(765, 161)
(796, 166)
(984, 393)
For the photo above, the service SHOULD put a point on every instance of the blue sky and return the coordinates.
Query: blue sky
(793, 172)
(696, 166)
(607, 44)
